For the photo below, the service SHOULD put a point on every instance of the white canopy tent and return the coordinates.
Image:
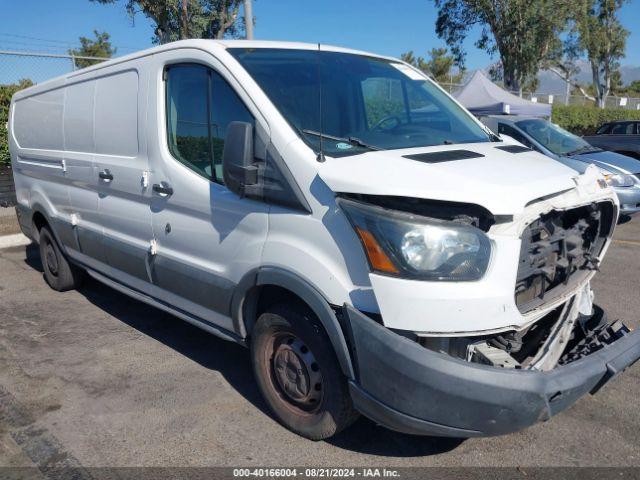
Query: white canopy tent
(483, 97)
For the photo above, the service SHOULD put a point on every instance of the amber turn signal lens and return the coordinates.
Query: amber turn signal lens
(377, 257)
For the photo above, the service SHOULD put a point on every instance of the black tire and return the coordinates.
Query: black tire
(58, 272)
(295, 399)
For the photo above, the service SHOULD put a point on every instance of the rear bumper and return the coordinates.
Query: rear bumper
(411, 389)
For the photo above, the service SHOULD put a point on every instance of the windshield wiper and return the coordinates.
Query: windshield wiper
(356, 142)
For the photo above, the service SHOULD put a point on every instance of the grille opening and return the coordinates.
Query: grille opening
(519, 349)
(559, 250)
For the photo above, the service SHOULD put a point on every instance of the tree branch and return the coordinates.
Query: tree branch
(573, 84)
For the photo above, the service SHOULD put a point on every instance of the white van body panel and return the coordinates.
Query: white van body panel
(37, 123)
(497, 181)
(488, 305)
(122, 161)
(320, 247)
(329, 255)
(224, 233)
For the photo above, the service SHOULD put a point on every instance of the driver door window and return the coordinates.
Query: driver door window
(200, 106)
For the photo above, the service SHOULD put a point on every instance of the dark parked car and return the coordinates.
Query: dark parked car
(620, 137)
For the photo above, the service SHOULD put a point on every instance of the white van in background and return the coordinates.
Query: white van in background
(378, 249)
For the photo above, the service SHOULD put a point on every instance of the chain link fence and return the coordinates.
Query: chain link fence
(38, 67)
(613, 101)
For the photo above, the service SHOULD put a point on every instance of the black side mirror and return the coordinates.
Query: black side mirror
(238, 164)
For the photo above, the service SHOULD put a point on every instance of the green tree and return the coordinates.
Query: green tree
(99, 47)
(604, 39)
(6, 92)
(418, 62)
(617, 86)
(631, 90)
(224, 19)
(439, 65)
(181, 19)
(522, 32)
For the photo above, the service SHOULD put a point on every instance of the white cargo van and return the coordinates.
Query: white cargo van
(377, 248)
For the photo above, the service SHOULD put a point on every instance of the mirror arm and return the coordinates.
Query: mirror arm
(251, 186)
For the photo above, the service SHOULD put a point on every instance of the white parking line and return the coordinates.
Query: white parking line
(17, 240)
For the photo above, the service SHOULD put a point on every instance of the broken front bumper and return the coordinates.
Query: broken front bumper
(411, 389)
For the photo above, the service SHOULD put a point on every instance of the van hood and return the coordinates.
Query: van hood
(500, 181)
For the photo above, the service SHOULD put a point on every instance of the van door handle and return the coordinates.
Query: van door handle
(162, 189)
(106, 175)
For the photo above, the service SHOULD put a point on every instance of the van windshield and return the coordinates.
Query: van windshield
(367, 103)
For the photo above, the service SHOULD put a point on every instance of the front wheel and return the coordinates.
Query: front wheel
(298, 373)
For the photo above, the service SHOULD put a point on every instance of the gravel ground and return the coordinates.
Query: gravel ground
(94, 378)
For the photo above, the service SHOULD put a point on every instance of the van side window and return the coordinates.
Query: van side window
(200, 104)
(226, 107)
(187, 113)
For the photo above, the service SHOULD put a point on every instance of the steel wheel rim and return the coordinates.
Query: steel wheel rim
(295, 373)
(51, 259)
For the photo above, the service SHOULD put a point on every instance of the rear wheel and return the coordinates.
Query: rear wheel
(298, 373)
(58, 272)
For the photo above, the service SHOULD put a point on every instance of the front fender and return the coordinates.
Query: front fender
(302, 288)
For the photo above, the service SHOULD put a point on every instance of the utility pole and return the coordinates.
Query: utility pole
(184, 20)
(248, 19)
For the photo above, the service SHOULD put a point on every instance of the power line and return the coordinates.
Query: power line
(30, 47)
(35, 41)
(48, 40)
(48, 55)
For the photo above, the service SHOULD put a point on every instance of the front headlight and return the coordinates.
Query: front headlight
(619, 180)
(413, 246)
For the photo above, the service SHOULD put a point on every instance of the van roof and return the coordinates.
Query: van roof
(290, 45)
(203, 44)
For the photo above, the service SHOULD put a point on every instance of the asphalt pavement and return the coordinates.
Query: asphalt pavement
(94, 378)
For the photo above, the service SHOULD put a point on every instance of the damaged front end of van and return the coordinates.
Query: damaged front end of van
(487, 323)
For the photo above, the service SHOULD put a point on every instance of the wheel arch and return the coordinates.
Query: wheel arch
(246, 305)
(61, 229)
(40, 218)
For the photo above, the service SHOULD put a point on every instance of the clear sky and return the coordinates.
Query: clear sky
(383, 26)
